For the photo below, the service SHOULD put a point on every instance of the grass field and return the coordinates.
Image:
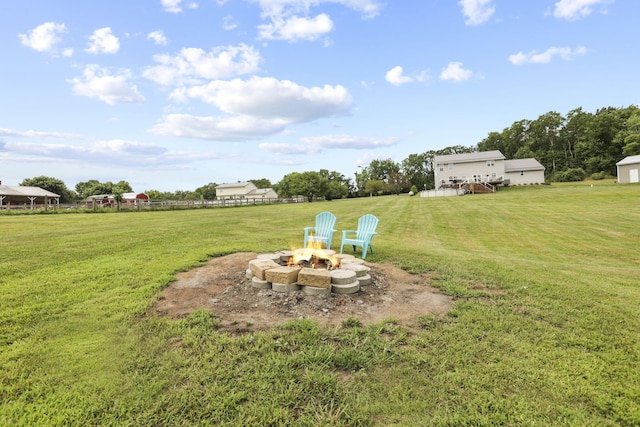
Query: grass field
(545, 329)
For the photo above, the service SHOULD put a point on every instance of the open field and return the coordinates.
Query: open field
(544, 329)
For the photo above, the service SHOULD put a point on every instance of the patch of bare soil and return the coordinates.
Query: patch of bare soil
(221, 286)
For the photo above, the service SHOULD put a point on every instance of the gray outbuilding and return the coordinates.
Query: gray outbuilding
(628, 169)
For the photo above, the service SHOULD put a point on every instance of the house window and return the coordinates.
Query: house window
(441, 167)
(493, 175)
(491, 163)
(450, 166)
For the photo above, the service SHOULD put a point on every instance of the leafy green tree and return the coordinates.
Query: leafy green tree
(338, 186)
(87, 188)
(308, 184)
(362, 178)
(54, 185)
(261, 183)
(336, 190)
(208, 192)
(313, 185)
(374, 186)
(397, 183)
(289, 185)
(94, 187)
(381, 169)
(545, 134)
(632, 136)
(417, 167)
(122, 186)
(156, 195)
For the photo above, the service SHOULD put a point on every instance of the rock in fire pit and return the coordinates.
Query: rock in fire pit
(315, 272)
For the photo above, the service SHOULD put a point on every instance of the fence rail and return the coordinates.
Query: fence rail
(158, 204)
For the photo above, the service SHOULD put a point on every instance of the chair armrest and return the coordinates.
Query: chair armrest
(344, 232)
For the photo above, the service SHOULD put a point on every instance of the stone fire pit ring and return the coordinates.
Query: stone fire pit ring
(344, 274)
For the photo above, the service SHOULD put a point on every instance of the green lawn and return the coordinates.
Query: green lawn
(545, 329)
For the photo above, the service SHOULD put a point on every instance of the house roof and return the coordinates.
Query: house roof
(629, 160)
(133, 196)
(522, 165)
(260, 191)
(477, 156)
(26, 191)
(235, 185)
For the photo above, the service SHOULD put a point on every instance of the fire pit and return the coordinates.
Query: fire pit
(311, 270)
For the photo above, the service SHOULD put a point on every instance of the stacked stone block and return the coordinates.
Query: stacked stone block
(270, 271)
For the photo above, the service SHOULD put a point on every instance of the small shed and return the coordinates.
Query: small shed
(27, 197)
(627, 170)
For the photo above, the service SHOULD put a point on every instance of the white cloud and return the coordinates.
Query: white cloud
(575, 9)
(296, 28)
(477, 12)
(254, 108)
(290, 20)
(158, 37)
(368, 157)
(229, 23)
(237, 128)
(122, 152)
(290, 149)
(37, 134)
(102, 41)
(272, 99)
(315, 145)
(396, 76)
(545, 57)
(175, 6)
(454, 72)
(97, 82)
(349, 142)
(191, 65)
(44, 37)
(279, 8)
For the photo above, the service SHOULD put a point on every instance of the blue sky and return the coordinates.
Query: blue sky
(175, 94)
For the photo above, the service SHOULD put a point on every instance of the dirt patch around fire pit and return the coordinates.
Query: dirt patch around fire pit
(221, 286)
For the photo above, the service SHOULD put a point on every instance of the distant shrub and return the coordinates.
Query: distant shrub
(598, 176)
(570, 175)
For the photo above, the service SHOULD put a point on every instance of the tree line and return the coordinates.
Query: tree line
(570, 147)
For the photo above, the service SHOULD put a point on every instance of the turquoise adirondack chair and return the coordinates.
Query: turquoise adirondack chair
(322, 232)
(367, 225)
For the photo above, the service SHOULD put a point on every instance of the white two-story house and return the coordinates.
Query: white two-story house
(488, 167)
(244, 190)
